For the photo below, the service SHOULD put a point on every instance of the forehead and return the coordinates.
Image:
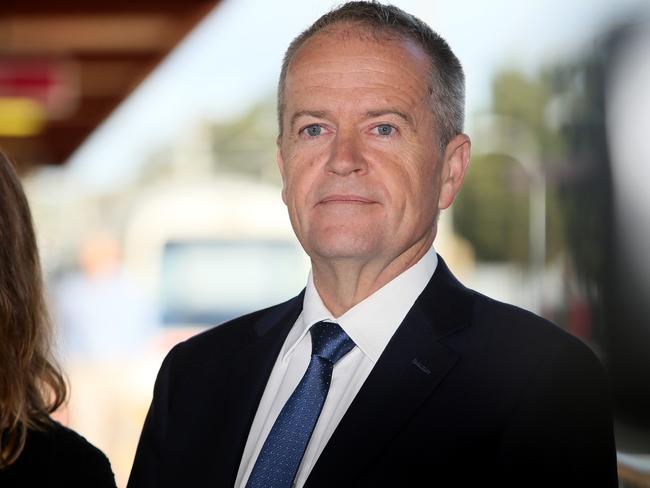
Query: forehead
(352, 61)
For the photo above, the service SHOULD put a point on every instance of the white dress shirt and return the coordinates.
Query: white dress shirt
(370, 324)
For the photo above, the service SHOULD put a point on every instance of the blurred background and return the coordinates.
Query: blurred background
(144, 133)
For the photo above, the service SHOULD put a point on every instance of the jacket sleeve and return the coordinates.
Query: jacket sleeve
(561, 431)
(149, 456)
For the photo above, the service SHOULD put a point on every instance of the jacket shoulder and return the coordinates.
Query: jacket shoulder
(226, 339)
(516, 347)
(522, 327)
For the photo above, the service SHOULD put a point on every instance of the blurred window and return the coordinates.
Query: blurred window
(207, 282)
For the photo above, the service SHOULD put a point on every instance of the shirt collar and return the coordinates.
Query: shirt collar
(372, 322)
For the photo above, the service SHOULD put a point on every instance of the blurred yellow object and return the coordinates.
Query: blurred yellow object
(20, 117)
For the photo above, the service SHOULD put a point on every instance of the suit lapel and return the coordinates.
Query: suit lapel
(408, 372)
(250, 373)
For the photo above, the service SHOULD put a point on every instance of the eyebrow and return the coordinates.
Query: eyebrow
(369, 114)
(306, 113)
(391, 111)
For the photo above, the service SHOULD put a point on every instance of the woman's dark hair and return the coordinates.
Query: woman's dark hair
(31, 384)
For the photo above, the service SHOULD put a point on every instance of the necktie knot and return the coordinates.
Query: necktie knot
(329, 341)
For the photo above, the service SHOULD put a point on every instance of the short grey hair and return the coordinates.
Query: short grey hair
(447, 82)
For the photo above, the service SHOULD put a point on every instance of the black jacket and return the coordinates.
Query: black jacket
(58, 457)
(468, 392)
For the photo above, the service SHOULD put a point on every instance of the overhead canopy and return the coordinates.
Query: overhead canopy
(66, 64)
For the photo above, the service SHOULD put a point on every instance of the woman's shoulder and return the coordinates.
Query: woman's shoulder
(60, 456)
(72, 447)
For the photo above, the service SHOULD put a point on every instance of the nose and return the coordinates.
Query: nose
(346, 156)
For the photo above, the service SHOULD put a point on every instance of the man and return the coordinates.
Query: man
(385, 371)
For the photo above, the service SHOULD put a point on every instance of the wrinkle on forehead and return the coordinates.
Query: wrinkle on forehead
(361, 70)
(349, 32)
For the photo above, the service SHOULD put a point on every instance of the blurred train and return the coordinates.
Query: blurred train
(214, 250)
(607, 205)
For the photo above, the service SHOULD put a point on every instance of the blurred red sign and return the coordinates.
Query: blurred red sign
(47, 82)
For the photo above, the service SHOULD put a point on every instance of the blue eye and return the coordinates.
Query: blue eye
(385, 129)
(313, 130)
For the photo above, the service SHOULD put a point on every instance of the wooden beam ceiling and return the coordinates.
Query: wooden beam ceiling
(65, 65)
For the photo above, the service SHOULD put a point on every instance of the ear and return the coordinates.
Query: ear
(281, 167)
(454, 166)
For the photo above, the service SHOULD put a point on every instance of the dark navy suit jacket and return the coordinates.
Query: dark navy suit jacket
(468, 392)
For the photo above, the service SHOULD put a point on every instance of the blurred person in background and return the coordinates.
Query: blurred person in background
(105, 325)
(101, 313)
(35, 450)
(385, 371)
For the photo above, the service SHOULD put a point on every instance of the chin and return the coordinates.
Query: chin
(343, 245)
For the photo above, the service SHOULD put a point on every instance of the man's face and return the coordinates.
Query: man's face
(358, 155)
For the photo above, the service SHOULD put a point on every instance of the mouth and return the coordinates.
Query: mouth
(347, 199)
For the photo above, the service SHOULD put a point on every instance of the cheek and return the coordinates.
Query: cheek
(415, 188)
(297, 188)
(404, 182)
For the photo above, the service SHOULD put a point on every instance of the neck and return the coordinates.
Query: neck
(342, 283)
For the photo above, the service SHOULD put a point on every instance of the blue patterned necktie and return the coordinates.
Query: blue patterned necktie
(282, 452)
